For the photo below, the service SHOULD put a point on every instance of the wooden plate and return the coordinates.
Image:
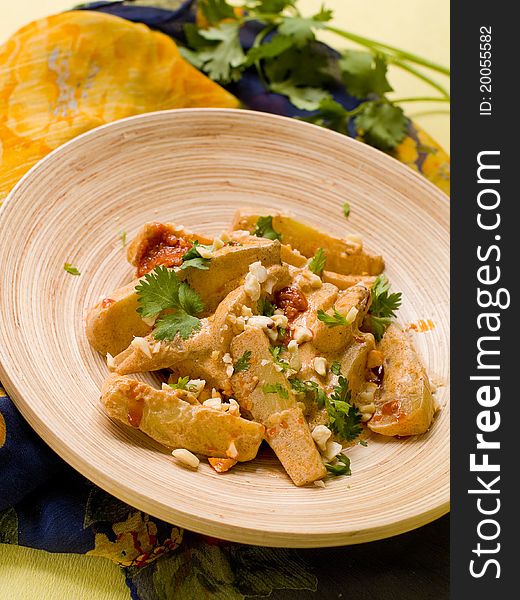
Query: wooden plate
(196, 167)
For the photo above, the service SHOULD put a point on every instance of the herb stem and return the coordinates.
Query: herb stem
(421, 99)
(402, 54)
(406, 67)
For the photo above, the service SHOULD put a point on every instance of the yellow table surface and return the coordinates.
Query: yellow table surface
(415, 25)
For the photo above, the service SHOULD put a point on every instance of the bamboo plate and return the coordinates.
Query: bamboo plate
(196, 167)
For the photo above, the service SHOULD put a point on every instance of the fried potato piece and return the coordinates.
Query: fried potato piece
(354, 362)
(166, 417)
(111, 328)
(405, 404)
(342, 282)
(248, 386)
(114, 321)
(289, 434)
(343, 255)
(161, 244)
(335, 339)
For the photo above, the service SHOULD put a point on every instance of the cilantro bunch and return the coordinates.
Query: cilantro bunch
(289, 61)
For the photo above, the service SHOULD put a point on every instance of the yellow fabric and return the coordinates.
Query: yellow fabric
(417, 25)
(27, 574)
(68, 73)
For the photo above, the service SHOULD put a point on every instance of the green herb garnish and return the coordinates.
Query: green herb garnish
(265, 307)
(334, 320)
(71, 269)
(243, 363)
(344, 418)
(346, 209)
(182, 383)
(383, 306)
(276, 388)
(276, 351)
(160, 291)
(335, 367)
(342, 466)
(122, 237)
(317, 262)
(264, 228)
(192, 258)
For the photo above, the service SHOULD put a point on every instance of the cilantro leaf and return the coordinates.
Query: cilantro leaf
(158, 291)
(265, 307)
(179, 322)
(276, 388)
(220, 61)
(342, 466)
(311, 389)
(346, 209)
(196, 263)
(364, 73)
(161, 290)
(344, 419)
(264, 228)
(182, 383)
(335, 367)
(71, 270)
(192, 258)
(383, 306)
(271, 49)
(317, 263)
(332, 115)
(382, 124)
(189, 300)
(334, 320)
(304, 98)
(302, 28)
(275, 353)
(216, 10)
(243, 363)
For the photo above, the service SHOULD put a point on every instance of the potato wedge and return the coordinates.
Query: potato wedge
(343, 255)
(112, 323)
(161, 244)
(167, 418)
(404, 403)
(335, 339)
(112, 326)
(289, 434)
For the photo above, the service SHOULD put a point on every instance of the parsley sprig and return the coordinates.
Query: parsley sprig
(161, 293)
(243, 363)
(192, 258)
(264, 228)
(276, 351)
(383, 306)
(343, 418)
(290, 62)
(276, 388)
(334, 320)
(318, 261)
(341, 467)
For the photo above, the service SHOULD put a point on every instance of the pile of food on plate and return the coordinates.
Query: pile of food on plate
(273, 331)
